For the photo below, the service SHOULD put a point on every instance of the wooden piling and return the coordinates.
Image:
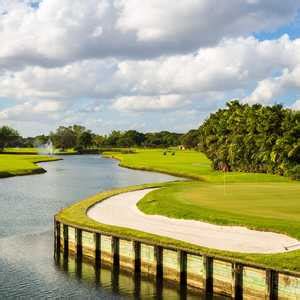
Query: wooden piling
(78, 239)
(66, 240)
(158, 253)
(137, 256)
(115, 251)
(237, 281)
(97, 238)
(182, 268)
(208, 274)
(271, 285)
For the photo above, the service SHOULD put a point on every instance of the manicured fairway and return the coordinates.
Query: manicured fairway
(21, 150)
(190, 164)
(13, 165)
(36, 151)
(260, 201)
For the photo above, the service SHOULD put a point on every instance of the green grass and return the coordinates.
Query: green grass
(37, 151)
(265, 206)
(260, 201)
(75, 215)
(20, 151)
(189, 164)
(16, 165)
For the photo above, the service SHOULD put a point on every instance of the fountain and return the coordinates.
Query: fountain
(47, 148)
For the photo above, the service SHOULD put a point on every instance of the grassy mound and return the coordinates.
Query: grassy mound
(16, 165)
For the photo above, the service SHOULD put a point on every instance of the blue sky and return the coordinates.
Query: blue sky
(147, 65)
(291, 28)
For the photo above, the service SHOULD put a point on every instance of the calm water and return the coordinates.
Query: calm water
(27, 204)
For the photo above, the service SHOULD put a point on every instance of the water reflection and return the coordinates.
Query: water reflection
(118, 281)
(27, 206)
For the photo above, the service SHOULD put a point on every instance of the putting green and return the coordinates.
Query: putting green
(265, 206)
(258, 201)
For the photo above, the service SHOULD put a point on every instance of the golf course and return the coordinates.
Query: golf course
(259, 201)
(256, 201)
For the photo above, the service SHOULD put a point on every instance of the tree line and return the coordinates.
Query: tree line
(81, 138)
(239, 137)
(253, 138)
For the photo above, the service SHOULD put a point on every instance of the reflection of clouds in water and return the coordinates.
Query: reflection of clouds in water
(60, 170)
(28, 203)
(28, 259)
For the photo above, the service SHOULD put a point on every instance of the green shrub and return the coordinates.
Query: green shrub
(294, 173)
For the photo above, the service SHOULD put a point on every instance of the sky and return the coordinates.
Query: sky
(147, 65)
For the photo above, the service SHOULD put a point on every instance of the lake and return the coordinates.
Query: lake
(27, 207)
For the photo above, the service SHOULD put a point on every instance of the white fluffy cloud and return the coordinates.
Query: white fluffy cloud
(233, 65)
(101, 59)
(54, 32)
(269, 89)
(206, 21)
(47, 35)
(154, 103)
(296, 105)
(31, 110)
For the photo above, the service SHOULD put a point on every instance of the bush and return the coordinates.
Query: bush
(294, 173)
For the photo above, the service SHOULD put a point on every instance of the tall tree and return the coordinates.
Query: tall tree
(85, 139)
(252, 138)
(64, 138)
(8, 136)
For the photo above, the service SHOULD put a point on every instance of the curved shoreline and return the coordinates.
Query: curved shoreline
(76, 215)
(226, 238)
(36, 170)
(176, 174)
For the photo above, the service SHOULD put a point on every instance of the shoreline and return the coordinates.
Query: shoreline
(37, 170)
(76, 215)
(204, 234)
(180, 175)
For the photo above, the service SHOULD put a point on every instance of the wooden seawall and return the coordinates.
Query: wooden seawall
(234, 279)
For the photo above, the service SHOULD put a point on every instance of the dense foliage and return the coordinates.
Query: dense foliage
(134, 138)
(8, 137)
(190, 140)
(75, 136)
(81, 138)
(253, 138)
(239, 137)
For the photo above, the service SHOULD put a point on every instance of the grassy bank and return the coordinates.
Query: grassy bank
(260, 201)
(16, 165)
(25, 151)
(75, 215)
(189, 164)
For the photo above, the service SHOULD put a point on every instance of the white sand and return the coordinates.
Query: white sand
(121, 210)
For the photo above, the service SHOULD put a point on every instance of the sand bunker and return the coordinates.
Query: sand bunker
(121, 210)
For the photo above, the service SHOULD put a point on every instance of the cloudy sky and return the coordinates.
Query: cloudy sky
(148, 65)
